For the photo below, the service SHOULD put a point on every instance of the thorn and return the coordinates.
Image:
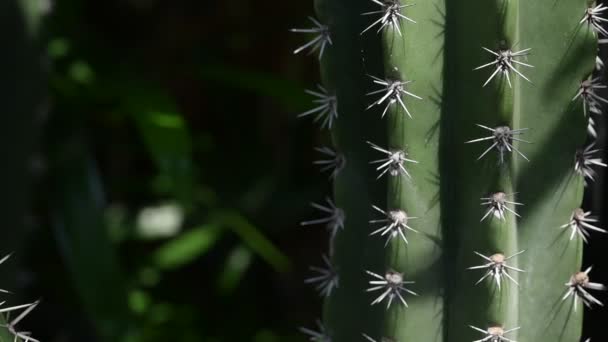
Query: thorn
(319, 42)
(502, 139)
(504, 64)
(326, 109)
(393, 163)
(390, 16)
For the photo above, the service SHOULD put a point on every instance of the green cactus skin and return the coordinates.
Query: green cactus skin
(439, 53)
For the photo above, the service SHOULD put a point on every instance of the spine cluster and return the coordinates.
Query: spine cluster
(24, 310)
(393, 224)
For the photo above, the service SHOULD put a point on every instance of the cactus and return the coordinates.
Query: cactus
(467, 225)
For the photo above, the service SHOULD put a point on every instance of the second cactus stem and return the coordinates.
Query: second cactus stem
(459, 167)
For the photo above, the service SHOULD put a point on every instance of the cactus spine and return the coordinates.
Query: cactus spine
(471, 102)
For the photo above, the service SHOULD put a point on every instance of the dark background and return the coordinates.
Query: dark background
(175, 110)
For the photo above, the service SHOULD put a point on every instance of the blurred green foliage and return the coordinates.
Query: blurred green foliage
(169, 175)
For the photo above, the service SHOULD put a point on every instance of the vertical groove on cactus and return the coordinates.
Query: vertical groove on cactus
(475, 99)
(444, 71)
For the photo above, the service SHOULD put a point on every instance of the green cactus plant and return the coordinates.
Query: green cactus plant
(473, 115)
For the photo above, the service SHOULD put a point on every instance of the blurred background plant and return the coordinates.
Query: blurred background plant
(154, 170)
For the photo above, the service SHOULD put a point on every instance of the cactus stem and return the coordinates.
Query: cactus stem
(594, 19)
(497, 267)
(497, 205)
(327, 108)
(590, 99)
(505, 58)
(392, 284)
(503, 137)
(327, 278)
(494, 334)
(395, 224)
(580, 224)
(319, 42)
(584, 162)
(391, 15)
(392, 90)
(393, 164)
(320, 336)
(335, 163)
(334, 219)
(578, 284)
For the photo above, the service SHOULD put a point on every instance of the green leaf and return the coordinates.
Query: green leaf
(253, 237)
(234, 269)
(187, 247)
